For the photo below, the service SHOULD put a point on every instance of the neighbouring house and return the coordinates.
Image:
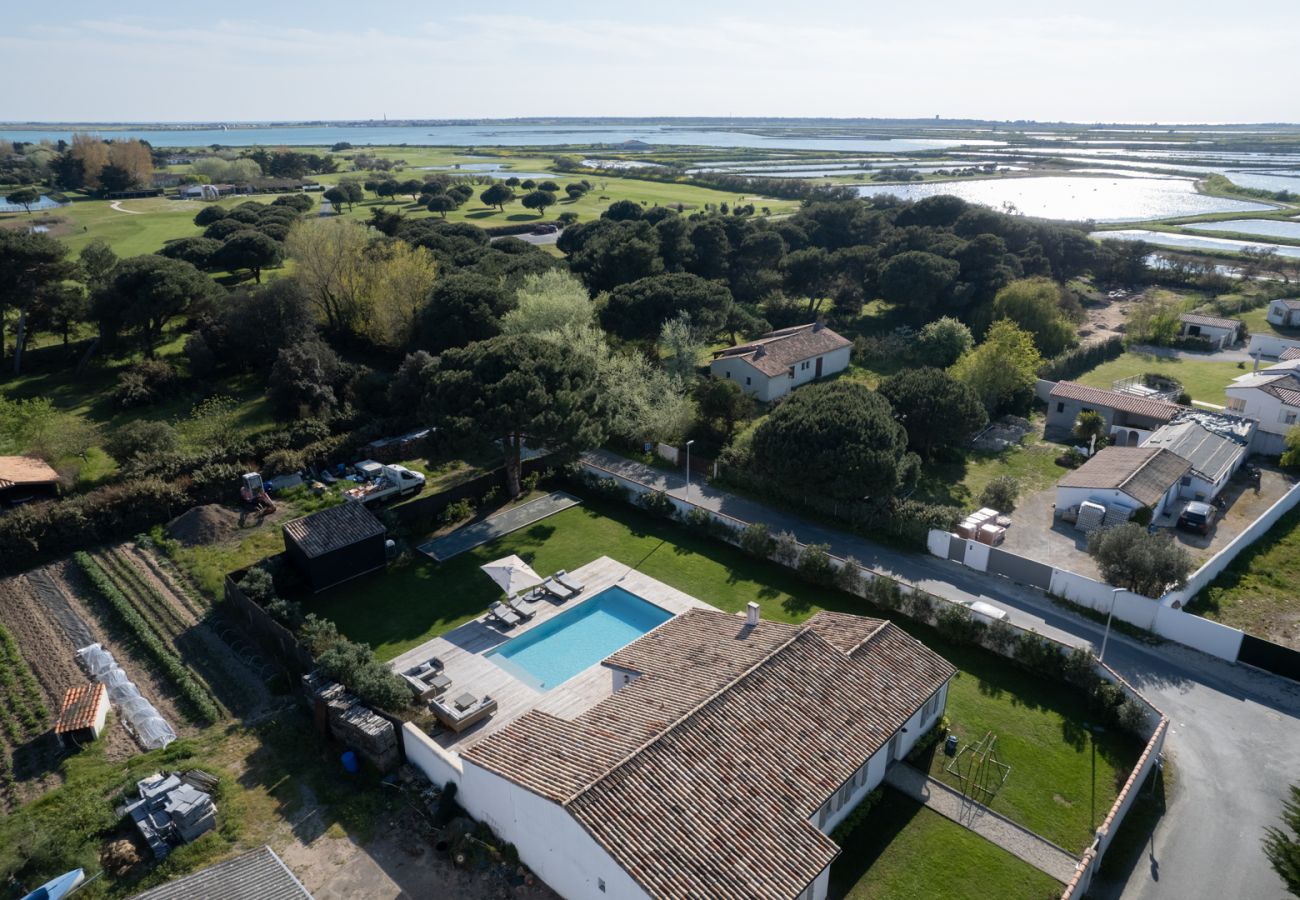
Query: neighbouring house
(1219, 332)
(1284, 313)
(82, 715)
(729, 750)
(1215, 445)
(1268, 345)
(26, 478)
(1289, 354)
(172, 811)
(336, 544)
(256, 875)
(1271, 397)
(772, 365)
(1130, 419)
(1125, 479)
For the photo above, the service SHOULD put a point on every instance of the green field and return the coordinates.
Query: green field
(1062, 783)
(1204, 380)
(961, 482)
(1257, 323)
(903, 851)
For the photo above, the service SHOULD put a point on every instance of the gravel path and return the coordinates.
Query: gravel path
(1019, 842)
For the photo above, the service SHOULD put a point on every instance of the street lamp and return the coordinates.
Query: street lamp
(688, 468)
(1105, 637)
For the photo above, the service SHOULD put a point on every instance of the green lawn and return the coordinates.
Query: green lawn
(1205, 380)
(1257, 323)
(1257, 592)
(903, 851)
(1058, 784)
(961, 482)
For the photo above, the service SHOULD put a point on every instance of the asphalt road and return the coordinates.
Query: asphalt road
(1234, 733)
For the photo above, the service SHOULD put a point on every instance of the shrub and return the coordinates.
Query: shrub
(928, 740)
(657, 503)
(856, 817)
(1001, 493)
(282, 462)
(287, 612)
(490, 496)
(1129, 556)
(757, 540)
(1143, 515)
(141, 438)
(1039, 655)
(848, 577)
(815, 565)
(885, 593)
(786, 549)
(1132, 717)
(529, 481)
(257, 585)
(1000, 636)
(1081, 359)
(699, 519)
(143, 383)
(920, 605)
(1077, 667)
(457, 511)
(912, 520)
(958, 625)
(607, 488)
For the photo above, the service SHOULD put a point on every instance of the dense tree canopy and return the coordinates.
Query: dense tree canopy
(937, 410)
(249, 250)
(146, 293)
(517, 389)
(919, 281)
(834, 440)
(33, 268)
(1035, 305)
(550, 301)
(640, 309)
(942, 342)
(462, 308)
(1003, 369)
(1130, 556)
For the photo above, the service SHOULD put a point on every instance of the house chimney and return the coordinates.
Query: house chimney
(818, 326)
(1255, 368)
(759, 353)
(751, 614)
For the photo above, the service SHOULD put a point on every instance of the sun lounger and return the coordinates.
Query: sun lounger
(503, 615)
(516, 604)
(569, 581)
(557, 590)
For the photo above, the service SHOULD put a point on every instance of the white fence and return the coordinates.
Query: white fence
(1161, 617)
(437, 764)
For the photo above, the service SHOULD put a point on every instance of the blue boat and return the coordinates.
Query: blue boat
(56, 888)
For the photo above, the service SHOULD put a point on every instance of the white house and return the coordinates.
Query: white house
(1271, 397)
(1125, 479)
(772, 365)
(1269, 345)
(729, 751)
(1218, 331)
(1284, 313)
(1215, 445)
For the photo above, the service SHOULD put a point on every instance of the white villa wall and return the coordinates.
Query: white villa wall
(549, 840)
(1217, 336)
(1129, 607)
(1264, 408)
(769, 388)
(751, 380)
(1067, 497)
(1269, 345)
(437, 764)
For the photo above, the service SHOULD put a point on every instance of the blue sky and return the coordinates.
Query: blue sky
(1131, 61)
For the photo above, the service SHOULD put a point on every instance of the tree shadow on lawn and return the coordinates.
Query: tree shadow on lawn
(865, 844)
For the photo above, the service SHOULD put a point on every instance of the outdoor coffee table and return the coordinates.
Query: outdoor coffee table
(465, 701)
(440, 683)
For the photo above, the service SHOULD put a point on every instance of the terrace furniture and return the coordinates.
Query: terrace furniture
(440, 683)
(516, 604)
(420, 678)
(569, 581)
(557, 590)
(503, 615)
(465, 711)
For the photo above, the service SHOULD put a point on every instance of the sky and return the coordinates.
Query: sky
(1138, 61)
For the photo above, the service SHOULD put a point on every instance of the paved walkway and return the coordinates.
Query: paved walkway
(1019, 842)
(1229, 355)
(496, 525)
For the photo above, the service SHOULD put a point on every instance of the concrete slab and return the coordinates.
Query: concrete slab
(494, 526)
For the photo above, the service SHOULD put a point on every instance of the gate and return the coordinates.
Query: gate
(1269, 656)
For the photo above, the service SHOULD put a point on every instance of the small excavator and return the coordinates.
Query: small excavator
(256, 499)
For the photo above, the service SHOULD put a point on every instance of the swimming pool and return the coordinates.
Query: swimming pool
(576, 639)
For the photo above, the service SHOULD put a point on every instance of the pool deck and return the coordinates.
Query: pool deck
(461, 651)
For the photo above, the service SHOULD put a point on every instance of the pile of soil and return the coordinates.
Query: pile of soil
(203, 525)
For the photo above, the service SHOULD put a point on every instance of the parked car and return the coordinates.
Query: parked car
(545, 229)
(1198, 517)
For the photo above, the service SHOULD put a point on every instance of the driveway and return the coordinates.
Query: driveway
(1229, 355)
(1233, 729)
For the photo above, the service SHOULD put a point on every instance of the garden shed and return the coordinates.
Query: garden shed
(335, 544)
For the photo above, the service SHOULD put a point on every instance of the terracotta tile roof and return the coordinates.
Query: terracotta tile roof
(1285, 388)
(80, 705)
(1144, 473)
(1210, 321)
(700, 777)
(1290, 304)
(1290, 353)
(333, 529)
(256, 875)
(775, 352)
(16, 470)
(1138, 406)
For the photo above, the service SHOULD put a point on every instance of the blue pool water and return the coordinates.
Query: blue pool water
(555, 651)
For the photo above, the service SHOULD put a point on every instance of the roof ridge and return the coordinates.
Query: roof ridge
(726, 686)
(875, 632)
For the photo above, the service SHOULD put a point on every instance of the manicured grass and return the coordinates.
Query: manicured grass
(1257, 323)
(961, 482)
(1042, 723)
(1257, 591)
(1205, 380)
(903, 851)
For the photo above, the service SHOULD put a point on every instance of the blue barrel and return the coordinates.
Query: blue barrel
(350, 763)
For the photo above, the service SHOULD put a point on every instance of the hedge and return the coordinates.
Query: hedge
(1074, 363)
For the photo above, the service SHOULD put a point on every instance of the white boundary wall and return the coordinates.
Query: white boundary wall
(437, 764)
(1268, 345)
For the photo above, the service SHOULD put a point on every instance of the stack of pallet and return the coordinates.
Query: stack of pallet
(983, 526)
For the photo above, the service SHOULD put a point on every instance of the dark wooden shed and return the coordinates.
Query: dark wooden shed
(335, 544)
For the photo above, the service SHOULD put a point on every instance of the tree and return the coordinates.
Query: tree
(835, 439)
(538, 200)
(31, 266)
(97, 261)
(918, 281)
(91, 154)
(1001, 493)
(331, 267)
(209, 214)
(1129, 556)
(680, 346)
(517, 390)
(442, 203)
(497, 195)
(146, 293)
(197, 251)
(623, 211)
(942, 342)
(1282, 845)
(1291, 455)
(249, 250)
(462, 308)
(336, 196)
(306, 380)
(414, 187)
(549, 186)
(1089, 427)
(937, 410)
(1003, 369)
(550, 301)
(723, 405)
(575, 190)
(1034, 304)
(24, 197)
(607, 254)
(143, 438)
(400, 282)
(639, 310)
